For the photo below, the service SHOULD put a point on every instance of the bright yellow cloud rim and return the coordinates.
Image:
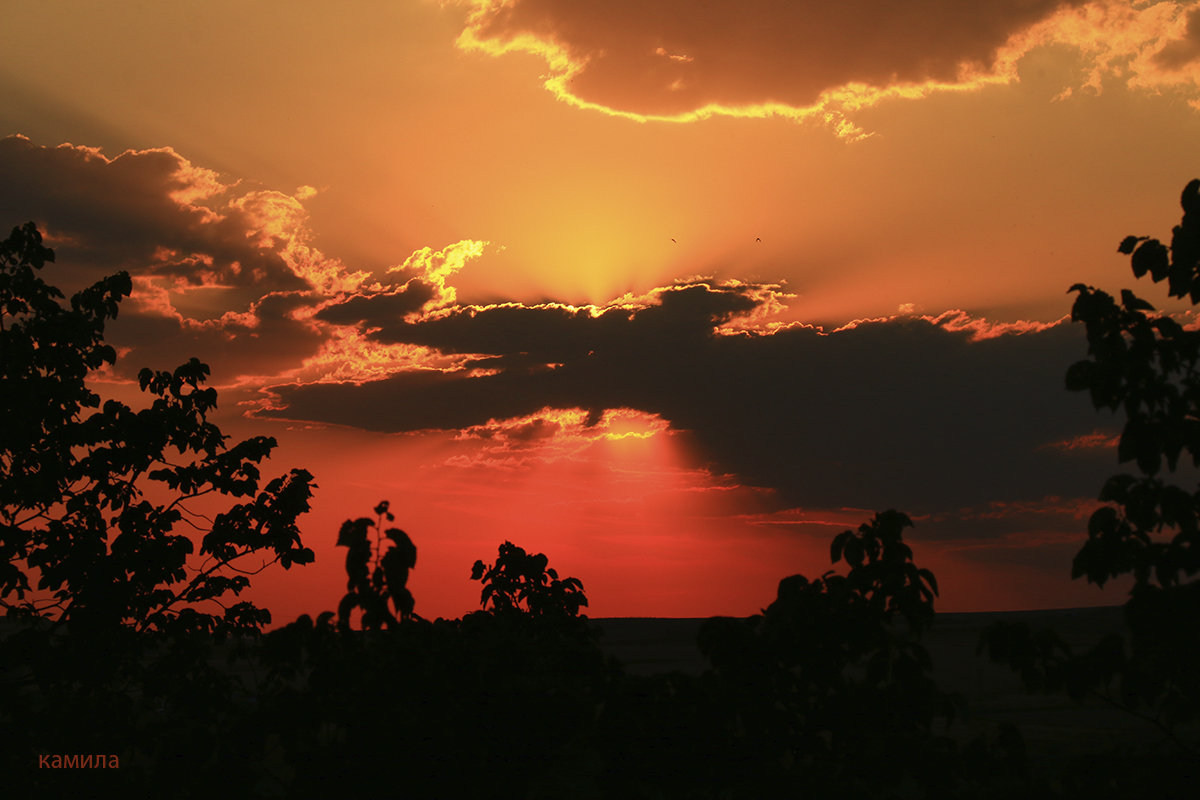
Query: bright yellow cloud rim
(1121, 39)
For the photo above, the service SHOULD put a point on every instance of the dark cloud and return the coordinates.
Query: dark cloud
(385, 307)
(1052, 518)
(1026, 552)
(553, 334)
(674, 56)
(1040, 534)
(261, 341)
(533, 431)
(142, 211)
(221, 272)
(901, 412)
(1182, 52)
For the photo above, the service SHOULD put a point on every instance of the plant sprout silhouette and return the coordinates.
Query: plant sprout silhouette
(370, 586)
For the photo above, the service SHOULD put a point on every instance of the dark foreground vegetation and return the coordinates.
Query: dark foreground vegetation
(117, 675)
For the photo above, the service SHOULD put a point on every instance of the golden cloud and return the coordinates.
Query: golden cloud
(680, 61)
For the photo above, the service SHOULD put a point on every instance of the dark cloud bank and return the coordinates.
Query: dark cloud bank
(136, 212)
(155, 215)
(900, 412)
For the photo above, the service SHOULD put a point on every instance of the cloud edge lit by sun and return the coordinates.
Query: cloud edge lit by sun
(1150, 47)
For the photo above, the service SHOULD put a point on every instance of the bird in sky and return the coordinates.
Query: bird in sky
(674, 241)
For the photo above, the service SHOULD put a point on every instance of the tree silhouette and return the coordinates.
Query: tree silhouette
(832, 673)
(1147, 367)
(76, 475)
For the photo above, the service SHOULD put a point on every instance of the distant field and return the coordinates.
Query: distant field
(1053, 726)
(647, 645)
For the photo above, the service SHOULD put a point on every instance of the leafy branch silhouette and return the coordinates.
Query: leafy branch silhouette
(127, 537)
(75, 473)
(1144, 366)
(521, 582)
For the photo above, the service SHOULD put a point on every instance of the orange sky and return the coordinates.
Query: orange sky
(672, 292)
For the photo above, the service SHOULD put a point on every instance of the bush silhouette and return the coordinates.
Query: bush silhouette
(833, 673)
(501, 702)
(523, 582)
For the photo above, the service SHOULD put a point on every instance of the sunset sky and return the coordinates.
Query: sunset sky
(673, 291)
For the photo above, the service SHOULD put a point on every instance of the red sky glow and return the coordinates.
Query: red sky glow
(671, 292)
